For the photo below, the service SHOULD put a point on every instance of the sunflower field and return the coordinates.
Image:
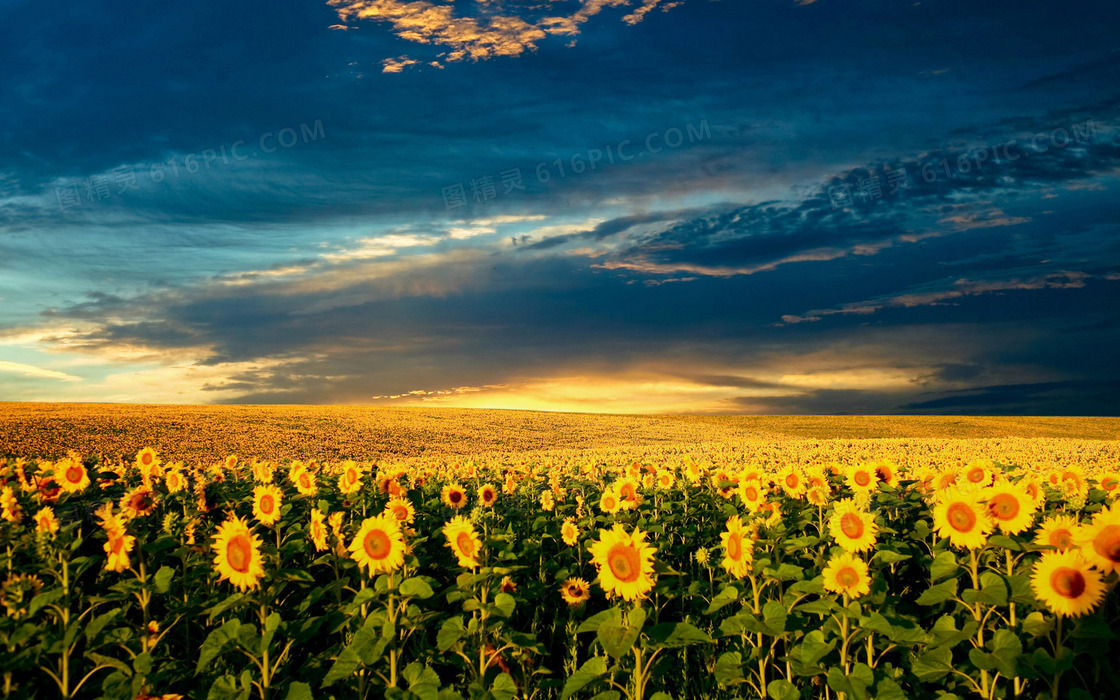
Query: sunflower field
(705, 575)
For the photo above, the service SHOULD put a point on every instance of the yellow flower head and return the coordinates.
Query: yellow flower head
(71, 474)
(117, 548)
(624, 561)
(45, 520)
(1010, 506)
(1100, 540)
(318, 530)
(9, 506)
(138, 502)
(1109, 482)
(980, 472)
(147, 460)
(237, 554)
(569, 532)
(610, 502)
(402, 510)
(886, 472)
(1066, 584)
(487, 495)
(454, 496)
(1057, 531)
(751, 494)
(847, 574)
(738, 548)
(266, 503)
(463, 541)
(852, 527)
(547, 500)
(861, 477)
(350, 480)
(379, 545)
(305, 482)
(960, 516)
(575, 592)
(792, 482)
(174, 480)
(665, 479)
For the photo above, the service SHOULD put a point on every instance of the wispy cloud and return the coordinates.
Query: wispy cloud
(33, 371)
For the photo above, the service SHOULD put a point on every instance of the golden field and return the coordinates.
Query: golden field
(288, 553)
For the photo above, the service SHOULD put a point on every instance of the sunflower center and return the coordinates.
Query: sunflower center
(1109, 483)
(961, 517)
(1107, 542)
(862, 478)
(624, 564)
(751, 493)
(74, 474)
(735, 546)
(1062, 539)
(847, 577)
(141, 501)
(627, 491)
(267, 503)
(455, 496)
(1067, 582)
(238, 553)
(791, 481)
(976, 475)
(305, 481)
(883, 474)
(573, 591)
(1003, 506)
(851, 525)
(146, 459)
(465, 544)
(377, 544)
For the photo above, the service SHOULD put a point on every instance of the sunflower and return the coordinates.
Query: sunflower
(45, 520)
(792, 482)
(947, 478)
(724, 483)
(1011, 507)
(627, 490)
(1066, 584)
(847, 574)
(71, 474)
(509, 487)
(463, 541)
(138, 502)
(402, 510)
(1109, 482)
(117, 548)
(610, 502)
(237, 554)
(1100, 540)
(569, 532)
(547, 500)
(738, 548)
(9, 506)
(379, 545)
(266, 503)
(624, 561)
(317, 531)
(575, 592)
(751, 494)
(231, 462)
(861, 477)
(980, 472)
(487, 495)
(174, 480)
(960, 516)
(305, 482)
(1057, 531)
(146, 459)
(507, 585)
(886, 472)
(853, 528)
(665, 479)
(350, 480)
(454, 496)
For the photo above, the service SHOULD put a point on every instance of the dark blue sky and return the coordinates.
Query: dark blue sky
(763, 207)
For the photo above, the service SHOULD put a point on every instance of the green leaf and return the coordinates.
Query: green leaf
(944, 566)
(214, 643)
(299, 691)
(271, 624)
(993, 589)
(98, 623)
(592, 623)
(1006, 649)
(617, 638)
(782, 690)
(422, 681)
(504, 604)
(110, 661)
(589, 671)
(729, 668)
(1004, 542)
(673, 635)
(939, 593)
(887, 689)
(351, 656)
(728, 595)
(933, 665)
(416, 587)
(163, 579)
(888, 556)
(774, 616)
(450, 633)
(503, 688)
(225, 605)
(1037, 625)
(814, 648)
(44, 599)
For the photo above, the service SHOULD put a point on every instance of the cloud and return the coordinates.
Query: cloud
(479, 31)
(32, 371)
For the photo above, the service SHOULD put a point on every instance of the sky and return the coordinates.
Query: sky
(695, 206)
